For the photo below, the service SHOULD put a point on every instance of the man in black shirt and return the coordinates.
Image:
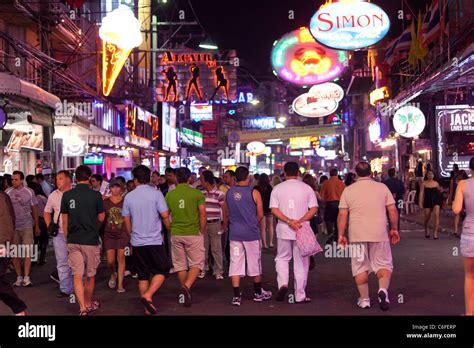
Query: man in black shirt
(397, 189)
(81, 211)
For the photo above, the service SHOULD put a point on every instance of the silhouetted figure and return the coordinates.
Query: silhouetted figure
(193, 82)
(172, 78)
(221, 82)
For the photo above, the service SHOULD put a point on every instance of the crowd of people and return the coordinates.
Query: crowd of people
(195, 226)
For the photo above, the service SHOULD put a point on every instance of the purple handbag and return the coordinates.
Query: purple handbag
(306, 241)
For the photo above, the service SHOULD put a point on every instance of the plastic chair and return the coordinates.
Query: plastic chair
(409, 204)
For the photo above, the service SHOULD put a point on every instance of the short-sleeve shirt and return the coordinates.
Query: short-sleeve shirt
(184, 202)
(293, 198)
(22, 199)
(82, 205)
(144, 205)
(214, 201)
(367, 202)
(53, 206)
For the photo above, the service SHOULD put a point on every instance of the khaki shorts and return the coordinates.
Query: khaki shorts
(187, 252)
(23, 237)
(83, 257)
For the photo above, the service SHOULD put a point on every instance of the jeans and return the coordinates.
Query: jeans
(7, 295)
(64, 271)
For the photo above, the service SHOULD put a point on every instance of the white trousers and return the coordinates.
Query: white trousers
(287, 249)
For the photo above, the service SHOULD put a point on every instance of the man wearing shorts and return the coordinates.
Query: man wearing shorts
(81, 212)
(26, 216)
(141, 211)
(188, 225)
(370, 245)
(243, 212)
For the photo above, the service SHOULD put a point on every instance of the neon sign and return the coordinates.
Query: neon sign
(378, 95)
(255, 148)
(120, 33)
(299, 59)
(409, 121)
(375, 131)
(321, 100)
(349, 25)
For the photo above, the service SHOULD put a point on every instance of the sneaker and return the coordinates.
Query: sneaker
(219, 277)
(27, 282)
(201, 275)
(363, 302)
(383, 299)
(236, 301)
(19, 281)
(265, 295)
(127, 274)
(54, 276)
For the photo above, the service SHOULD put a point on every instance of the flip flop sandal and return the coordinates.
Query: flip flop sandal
(95, 305)
(149, 306)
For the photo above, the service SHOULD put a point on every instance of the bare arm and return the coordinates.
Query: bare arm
(65, 219)
(459, 198)
(225, 216)
(393, 216)
(128, 224)
(47, 218)
(258, 201)
(294, 224)
(422, 192)
(202, 218)
(34, 212)
(165, 217)
(342, 220)
(309, 214)
(101, 217)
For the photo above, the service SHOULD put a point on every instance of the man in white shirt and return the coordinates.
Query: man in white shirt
(293, 203)
(52, 215)
(364, 204)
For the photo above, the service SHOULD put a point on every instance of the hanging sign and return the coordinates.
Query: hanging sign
(378, 95)
(349, 25)
(299, 59)
(255, 148)
(321, 100)
(409, 121)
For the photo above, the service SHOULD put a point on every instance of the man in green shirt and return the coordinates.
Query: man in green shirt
(188, 225)
(81, 211)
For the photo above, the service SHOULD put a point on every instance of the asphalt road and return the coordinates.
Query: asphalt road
(427, 280)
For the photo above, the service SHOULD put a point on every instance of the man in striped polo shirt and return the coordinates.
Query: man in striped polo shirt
(212, 238)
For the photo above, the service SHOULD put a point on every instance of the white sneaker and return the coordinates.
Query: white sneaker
(265, 295)
(27, 282)
(19, 281)
(219, 277)
(363, 303)
(201, 275)
(127, 274)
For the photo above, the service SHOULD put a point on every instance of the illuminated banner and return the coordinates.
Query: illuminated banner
(349, 25)
(259, 123)
(375, 131)
(378, 95)
(255, 148)
(321, 100)
(455, 134)
(285, 133)
(120, 33)
(141, 127)
(299, 59)
(201, 112)
(190, 137)
(300, 143)
(409, 121)
(196, 76)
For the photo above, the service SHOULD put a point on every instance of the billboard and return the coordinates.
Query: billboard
(201, 112)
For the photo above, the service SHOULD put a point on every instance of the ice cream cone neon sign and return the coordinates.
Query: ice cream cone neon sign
(120, 33)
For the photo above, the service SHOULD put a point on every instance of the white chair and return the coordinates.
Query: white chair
(409, 204)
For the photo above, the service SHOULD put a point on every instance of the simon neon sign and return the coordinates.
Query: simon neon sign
(349, 25)
(299, 59)
(186, 58)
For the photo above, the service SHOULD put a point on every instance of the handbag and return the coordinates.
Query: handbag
(53, 228)
(306, 241)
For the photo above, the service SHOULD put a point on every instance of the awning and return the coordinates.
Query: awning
(12, 85)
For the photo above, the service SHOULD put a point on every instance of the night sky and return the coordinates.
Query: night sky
(251, 26)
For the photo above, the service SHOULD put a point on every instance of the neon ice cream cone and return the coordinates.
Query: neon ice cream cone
(113, 60)
(120, 33)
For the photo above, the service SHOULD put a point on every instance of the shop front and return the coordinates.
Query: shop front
(26, 135)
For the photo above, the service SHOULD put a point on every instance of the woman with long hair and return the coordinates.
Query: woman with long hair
(263, 186)
(430, 201)
(465, 197)
(461, 175)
